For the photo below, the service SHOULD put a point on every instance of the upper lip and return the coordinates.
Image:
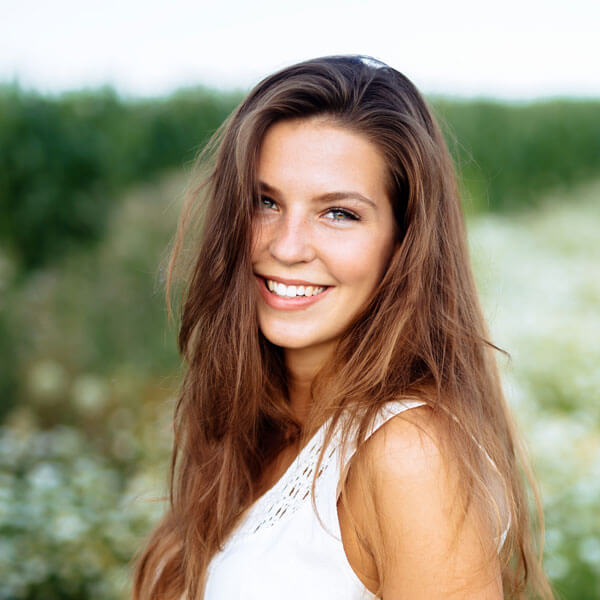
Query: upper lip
(291, 281)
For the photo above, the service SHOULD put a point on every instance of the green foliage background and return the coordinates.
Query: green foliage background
(90, 188)
(63, 160)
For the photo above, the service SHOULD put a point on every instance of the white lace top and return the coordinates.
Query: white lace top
(281, 550)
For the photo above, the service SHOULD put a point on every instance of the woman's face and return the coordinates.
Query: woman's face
(323, 232)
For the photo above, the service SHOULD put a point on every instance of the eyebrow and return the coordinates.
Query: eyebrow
(327, 197)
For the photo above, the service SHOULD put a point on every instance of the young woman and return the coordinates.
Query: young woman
(341, 431)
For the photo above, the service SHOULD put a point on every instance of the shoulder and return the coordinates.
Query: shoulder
(415, 524)
(409, 470)
(408, 444)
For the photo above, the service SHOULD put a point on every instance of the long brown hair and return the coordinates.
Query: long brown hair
(422, 333)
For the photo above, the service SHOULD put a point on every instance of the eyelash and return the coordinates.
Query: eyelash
(347, 214)
(266, 202)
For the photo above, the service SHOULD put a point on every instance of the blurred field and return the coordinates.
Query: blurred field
(539, 274)
(88, 367)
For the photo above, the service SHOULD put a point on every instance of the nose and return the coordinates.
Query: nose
(291, 240)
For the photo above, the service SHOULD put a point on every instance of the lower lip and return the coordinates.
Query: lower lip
(282, 303)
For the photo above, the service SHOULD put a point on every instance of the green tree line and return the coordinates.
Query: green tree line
(63, 159)
(511, 154)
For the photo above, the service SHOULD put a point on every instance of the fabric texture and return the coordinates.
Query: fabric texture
(284, 548)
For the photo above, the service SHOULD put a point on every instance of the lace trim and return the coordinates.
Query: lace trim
(291, 491)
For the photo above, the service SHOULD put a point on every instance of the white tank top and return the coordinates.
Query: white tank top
(281, 550)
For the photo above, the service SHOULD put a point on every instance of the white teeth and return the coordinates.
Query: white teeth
(293, 291)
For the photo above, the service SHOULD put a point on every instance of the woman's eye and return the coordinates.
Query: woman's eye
(341, 214)
(266, 202)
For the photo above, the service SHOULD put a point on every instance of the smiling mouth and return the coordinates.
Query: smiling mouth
(293, 291)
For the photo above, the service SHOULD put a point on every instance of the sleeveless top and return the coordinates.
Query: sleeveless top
(282, 549)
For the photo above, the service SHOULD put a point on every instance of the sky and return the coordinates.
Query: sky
(514, 49)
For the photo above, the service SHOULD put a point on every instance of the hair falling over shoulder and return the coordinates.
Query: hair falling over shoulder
(421, 335)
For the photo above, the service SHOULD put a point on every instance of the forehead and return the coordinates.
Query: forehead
(320, 153)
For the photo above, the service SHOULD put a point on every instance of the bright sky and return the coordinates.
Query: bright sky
(516, 49)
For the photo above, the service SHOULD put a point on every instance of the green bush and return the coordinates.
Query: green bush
(54, 188)
(84, 441)
(73, 511)
(511, 154)
(64, 159)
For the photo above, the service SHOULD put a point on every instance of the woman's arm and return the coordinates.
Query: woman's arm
(414, 518)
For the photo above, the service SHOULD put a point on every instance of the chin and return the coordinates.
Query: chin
(318, 346)
(289, 342)
(293, 340)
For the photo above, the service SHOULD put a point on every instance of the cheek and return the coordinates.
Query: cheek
(362, 263)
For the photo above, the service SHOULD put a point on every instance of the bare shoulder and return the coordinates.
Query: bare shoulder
(427, 545)
(407, 445)
(413, 479)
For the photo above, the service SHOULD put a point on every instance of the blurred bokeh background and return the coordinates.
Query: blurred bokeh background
(103, 107)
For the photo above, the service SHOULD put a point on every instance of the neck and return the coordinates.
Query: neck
(302, 365)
